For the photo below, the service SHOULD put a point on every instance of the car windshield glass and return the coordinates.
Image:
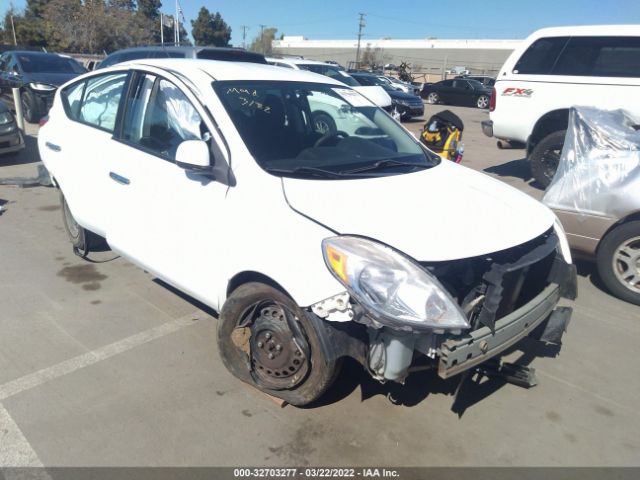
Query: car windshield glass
(49, 64)
(317, 130)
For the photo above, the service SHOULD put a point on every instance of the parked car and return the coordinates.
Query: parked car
(553, 70)
(483, 79)
(596, 195)
(403, 106)
(398, 84)
(206, 53)
(40, 74)
(376, 94)
(11, 139)
(458, 91)
(311, 246)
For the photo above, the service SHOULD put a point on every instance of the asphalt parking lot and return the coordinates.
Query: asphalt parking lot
(102, 365)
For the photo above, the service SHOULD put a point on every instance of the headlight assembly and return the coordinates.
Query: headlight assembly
(393, 289)
(42, 87)
(5, 117)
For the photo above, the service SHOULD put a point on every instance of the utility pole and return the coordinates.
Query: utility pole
(262, 47)
(360, 27)
(244, 35)
(13, 27)
(176, 26)
(161, 29)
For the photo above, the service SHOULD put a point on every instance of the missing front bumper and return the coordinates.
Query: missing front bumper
(458, 355)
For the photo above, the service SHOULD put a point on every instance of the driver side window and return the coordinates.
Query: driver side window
(159, 117)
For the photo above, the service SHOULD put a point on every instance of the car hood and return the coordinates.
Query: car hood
(56, 79)
(375, 94)
(443, 213)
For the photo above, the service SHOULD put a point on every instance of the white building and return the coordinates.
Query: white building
(427, 56)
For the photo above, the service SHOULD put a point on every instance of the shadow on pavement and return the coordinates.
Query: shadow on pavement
(471, 388)
(515, 169)
(25, 156)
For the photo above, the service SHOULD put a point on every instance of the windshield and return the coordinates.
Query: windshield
(49, 64)
(309, 130)
(371, 80)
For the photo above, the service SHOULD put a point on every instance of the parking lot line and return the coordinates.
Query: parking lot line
(66, 367)
(15, 449)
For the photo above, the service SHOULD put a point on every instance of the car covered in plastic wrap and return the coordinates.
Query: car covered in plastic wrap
(596, 194)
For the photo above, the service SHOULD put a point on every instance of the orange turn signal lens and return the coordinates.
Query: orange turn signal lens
(338, 263)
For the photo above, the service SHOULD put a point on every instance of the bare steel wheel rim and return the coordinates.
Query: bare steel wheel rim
(433, 98)
(483, 102)
(626, 264)
(278, 349)
(72, 225)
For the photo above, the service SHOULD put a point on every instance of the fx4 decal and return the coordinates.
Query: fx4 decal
(517, 92)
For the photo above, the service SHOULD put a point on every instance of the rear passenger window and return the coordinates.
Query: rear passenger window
(100, 101)
(540, 57)
(600, 57)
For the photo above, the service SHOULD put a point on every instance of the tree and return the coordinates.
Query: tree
(150, 9)
(210, 29)
(262, 43)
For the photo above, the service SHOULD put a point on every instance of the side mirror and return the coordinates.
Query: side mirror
(194, 156)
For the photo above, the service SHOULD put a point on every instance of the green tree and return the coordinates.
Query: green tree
(262, 43)
(210, 29)
(150, 9)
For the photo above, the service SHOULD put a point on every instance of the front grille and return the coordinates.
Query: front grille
(489, 287)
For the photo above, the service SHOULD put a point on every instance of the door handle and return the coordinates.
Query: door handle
(119, 178)
(53, 146)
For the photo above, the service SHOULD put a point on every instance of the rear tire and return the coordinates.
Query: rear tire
(30, 108)
(482, 101)
(618, 261)
(545, 157)
(433, 98)
(267, 341)
(77, 234)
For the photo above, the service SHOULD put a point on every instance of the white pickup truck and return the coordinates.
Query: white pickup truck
(553, 70)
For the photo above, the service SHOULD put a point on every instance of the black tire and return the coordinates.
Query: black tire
(482, 101)
(323, 123)
(612, 265)
(30, 107)
(77, 235)
(544, 158)
(243, 347)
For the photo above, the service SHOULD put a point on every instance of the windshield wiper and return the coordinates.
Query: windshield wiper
(387, 162)
(311, 171)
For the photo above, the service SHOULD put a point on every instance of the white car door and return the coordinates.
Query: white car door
(80, 146)
(163, 216)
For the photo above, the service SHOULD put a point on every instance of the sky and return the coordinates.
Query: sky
(404, 19)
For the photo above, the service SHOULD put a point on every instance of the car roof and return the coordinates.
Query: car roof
(221, 70)
(591, 30)
(179, 48)
(298, 61)
(36, 53)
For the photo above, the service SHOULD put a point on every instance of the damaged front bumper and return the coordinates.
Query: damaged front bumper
(460, 354)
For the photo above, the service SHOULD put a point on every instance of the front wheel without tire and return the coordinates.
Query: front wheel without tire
(618, 261)
(545, 157)
(267, 341)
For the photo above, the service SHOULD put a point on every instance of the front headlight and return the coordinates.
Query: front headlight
(403, 102)
(562, 240)
(42, 86)
(5, 117)
(391, 287)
